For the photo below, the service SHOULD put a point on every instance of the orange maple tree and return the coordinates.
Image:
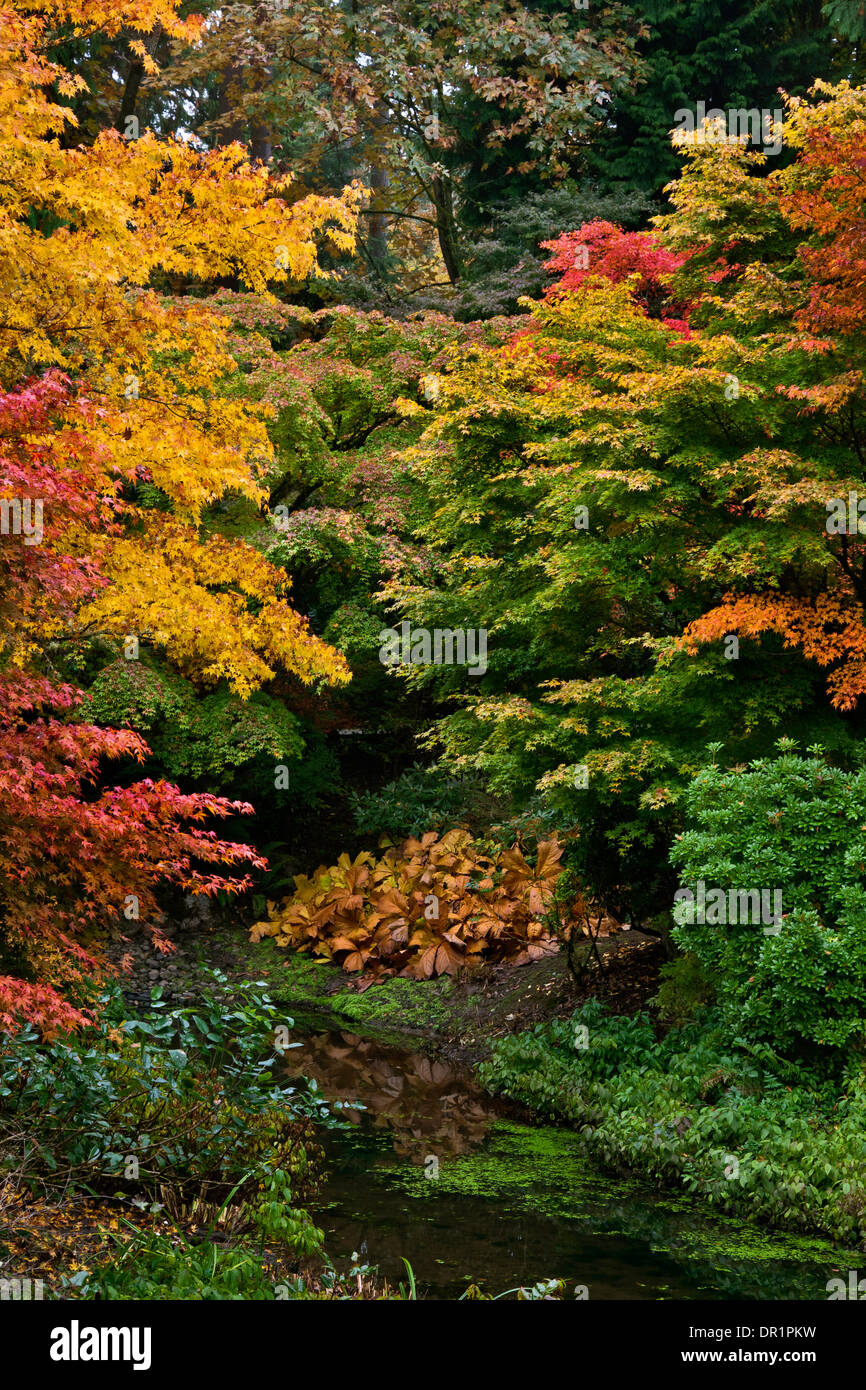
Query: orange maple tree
(812, 356)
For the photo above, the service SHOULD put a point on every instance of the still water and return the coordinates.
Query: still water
(432, 1170)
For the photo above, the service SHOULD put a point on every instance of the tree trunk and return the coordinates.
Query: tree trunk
(446, 229)
(261, 148)
(230, 92)
(134, 76)
(377, 226)
(239, 78)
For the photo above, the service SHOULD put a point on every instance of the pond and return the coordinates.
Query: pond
(430, 1168)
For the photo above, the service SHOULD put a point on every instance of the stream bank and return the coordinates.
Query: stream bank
(430, 1169)
(455, 1019)
(433, 1169)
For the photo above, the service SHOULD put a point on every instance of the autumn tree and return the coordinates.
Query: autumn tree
(108, 383)
(420, 96)
(637, 510)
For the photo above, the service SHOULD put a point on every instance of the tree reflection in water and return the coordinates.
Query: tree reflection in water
(429, 1106)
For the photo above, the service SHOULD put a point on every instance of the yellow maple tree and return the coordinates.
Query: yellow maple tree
(88, 236)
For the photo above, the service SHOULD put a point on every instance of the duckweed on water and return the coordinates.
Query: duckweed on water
(546, 1170)
(543, 1171)
(520, 1165)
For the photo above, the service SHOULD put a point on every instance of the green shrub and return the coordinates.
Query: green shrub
(187, 1092)
(703, 1108)
(796, 825)
(189, 734)
(419, 800)
(153, 1265)
(684, 990)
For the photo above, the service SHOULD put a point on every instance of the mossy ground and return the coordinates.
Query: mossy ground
(458, 1019)
(316, 992)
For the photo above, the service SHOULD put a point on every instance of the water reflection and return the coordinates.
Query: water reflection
(425, 1104)
(510, 1205)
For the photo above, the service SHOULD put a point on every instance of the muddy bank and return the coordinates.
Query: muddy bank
(456, 1019)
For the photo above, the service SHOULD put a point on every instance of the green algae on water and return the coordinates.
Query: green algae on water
(545, 1171)
(520, 1165)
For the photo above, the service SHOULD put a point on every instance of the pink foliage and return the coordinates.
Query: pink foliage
(602, 250)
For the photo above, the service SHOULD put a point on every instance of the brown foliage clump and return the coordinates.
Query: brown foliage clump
(426, 907)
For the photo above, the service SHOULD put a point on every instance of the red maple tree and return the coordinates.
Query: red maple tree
(602, 250)
(75, 854)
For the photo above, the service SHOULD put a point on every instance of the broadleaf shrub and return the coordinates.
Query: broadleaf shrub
(189, 1092)
(426, 907)
(728, 1120)
(797, 825)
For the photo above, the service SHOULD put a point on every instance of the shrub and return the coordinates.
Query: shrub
(684, 990)
(797, 825)
(187, 1092)
(420, 799)
(427, 907)
(704, 1109)
(156, 1265)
